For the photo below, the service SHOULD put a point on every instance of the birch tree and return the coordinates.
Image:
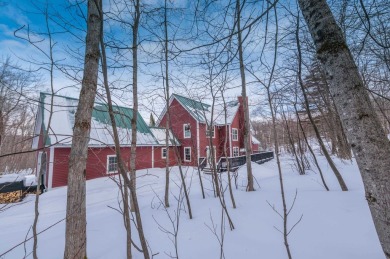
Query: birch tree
(360, 122)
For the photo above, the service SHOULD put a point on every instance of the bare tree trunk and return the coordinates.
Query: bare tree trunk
(45, 135)
(307, 107)
(76, 236)
(179, 164)
(133, 152)
(247, 128)
(183, 182)
(211, 127)
(198, 168)
(121, 164)
(35, 233)
(276, 143)
(311, 150)
(360, 122)
(292, 144)
(227, 128)
(166, 196)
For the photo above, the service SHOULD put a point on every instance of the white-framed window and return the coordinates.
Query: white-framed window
(112, 164)
(235, 134)
(210, 131)
(187, 130)
(187, 154)
(235, 151)
(164, 152)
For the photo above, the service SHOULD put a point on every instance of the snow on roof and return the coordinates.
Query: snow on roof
(219, 112)
(202, 112)
(10, 178)
(255, 140)
(159, 134)
(63, 116)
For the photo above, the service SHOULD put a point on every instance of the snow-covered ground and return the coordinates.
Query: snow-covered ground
(335, 224)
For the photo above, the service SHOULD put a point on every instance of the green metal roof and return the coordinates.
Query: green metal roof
(123, 117)
(195, 108)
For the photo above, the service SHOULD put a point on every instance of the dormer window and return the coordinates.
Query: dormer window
(210, 131)
(187, 130)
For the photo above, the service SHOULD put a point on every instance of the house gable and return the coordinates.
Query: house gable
(194, 108)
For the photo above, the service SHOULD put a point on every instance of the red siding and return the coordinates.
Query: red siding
(205, 141)
(222, 135)
(159, 161)
(236, 125)
(96, 162)
(179, 116)
(241, 124)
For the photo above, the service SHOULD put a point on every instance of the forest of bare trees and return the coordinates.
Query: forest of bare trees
(316, 72)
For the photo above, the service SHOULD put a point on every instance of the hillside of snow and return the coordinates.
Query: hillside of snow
(334, 225)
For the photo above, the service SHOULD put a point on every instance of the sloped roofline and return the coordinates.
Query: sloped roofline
(40, 120)
(174, 96)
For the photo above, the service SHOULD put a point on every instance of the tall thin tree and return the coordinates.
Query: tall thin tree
(133, 152)
(76, 222)
(247, 128)
(167, 123)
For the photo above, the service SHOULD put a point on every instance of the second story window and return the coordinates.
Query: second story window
(210, 131)
(187, 130)
(235, 134)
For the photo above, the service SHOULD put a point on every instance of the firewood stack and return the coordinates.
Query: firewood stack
(11, 197)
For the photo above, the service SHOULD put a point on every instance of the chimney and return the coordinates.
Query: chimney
(240, 99)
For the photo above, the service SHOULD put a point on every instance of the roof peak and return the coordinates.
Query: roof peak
(191, 100)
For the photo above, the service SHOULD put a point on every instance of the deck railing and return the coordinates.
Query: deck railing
(236, 162)
(262, 156)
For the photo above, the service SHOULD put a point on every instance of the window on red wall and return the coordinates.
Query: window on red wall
(187, 130)
(210, 131)
(112, 164)
(235, 134)
(187, 154)
(164, 153)
(235, 151)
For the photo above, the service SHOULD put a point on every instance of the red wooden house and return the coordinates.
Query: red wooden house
(54, 142)
(192, 122)
(190, 128)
